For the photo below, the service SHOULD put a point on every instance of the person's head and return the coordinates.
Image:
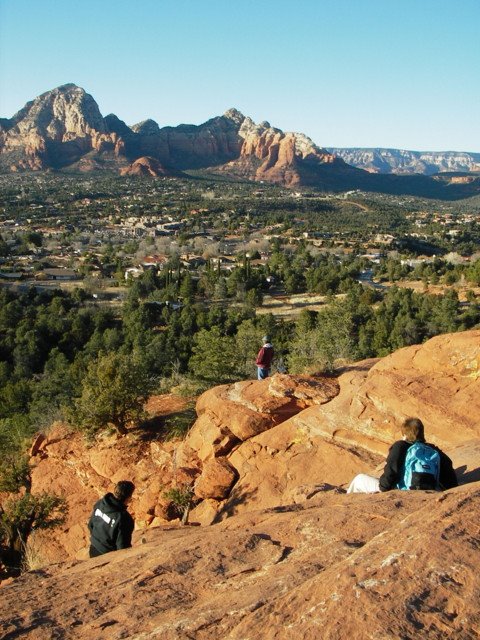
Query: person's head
(413, 430)
(123, 490)
(265, 339)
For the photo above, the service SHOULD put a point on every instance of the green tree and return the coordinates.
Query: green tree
(186, 290)
(114, 391)
(4, 249)
(14, 472)
(54, 390)
(220, 291)
(23, 512)
(254, 297)
(329, 341)
(247, 342)
(214, 357)
(473, 273)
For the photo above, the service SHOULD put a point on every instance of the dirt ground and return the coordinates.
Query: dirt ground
(437, 289)
(289, 307)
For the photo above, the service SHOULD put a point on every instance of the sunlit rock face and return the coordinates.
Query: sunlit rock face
(262, 444)
(401, 564)
(54, 130)
(64, 127)
(147, 167)
(268, 462)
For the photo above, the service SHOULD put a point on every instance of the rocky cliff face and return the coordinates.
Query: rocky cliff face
(271, 155)
(54, 130)
(287, 554)
(61, 126)
(347, 432)
(64, 128)
(192, 147)
(400, 161)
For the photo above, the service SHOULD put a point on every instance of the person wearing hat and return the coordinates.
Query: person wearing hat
(264, 359)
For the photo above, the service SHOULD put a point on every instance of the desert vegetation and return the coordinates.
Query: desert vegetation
(90, 352)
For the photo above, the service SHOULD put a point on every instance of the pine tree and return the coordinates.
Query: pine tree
(114, 391)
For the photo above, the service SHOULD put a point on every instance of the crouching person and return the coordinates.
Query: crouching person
(412, 463)
(110, 525)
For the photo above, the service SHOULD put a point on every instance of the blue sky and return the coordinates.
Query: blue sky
(366, 73)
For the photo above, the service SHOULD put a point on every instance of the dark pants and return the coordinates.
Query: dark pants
(263, 373)
(94, 552)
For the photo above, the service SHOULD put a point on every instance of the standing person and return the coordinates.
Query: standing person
(264, 359)
(110, 525)
(412, 463)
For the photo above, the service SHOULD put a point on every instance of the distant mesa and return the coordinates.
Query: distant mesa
(404, 162)
(64, 129)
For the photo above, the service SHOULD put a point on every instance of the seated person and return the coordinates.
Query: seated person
(110, 525)
(423, 466)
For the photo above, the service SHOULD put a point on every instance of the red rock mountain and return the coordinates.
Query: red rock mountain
(148, 167)
(64, 128)
(54, 130)
(271, 155)
(280, 552)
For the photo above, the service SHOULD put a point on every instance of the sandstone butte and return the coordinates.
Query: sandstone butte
(279, 551)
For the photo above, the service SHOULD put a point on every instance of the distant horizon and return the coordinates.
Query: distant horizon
(347, 74)
(246, 115)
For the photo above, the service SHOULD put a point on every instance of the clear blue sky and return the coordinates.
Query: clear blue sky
(366, 73)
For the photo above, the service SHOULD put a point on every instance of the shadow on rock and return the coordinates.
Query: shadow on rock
(236, 498)
(465, 477)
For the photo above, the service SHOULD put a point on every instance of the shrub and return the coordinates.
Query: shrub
(114, 391)
(214, 356)
(181, 497)
(14, 473)
(178, 425)
(22, 515)
(32, 555)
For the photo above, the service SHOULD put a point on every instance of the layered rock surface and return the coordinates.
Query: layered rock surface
(385, 566)
(274, 156)
(402, 161)
(287, 554)
(64, 463)
(275, 441)
(330, 441)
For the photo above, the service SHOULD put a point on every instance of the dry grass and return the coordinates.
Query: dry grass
(32, 556)
(290, 306)
(436, 289)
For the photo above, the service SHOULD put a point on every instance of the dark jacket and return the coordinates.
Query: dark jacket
(111, 526)
(265, 356)
(393, 470)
